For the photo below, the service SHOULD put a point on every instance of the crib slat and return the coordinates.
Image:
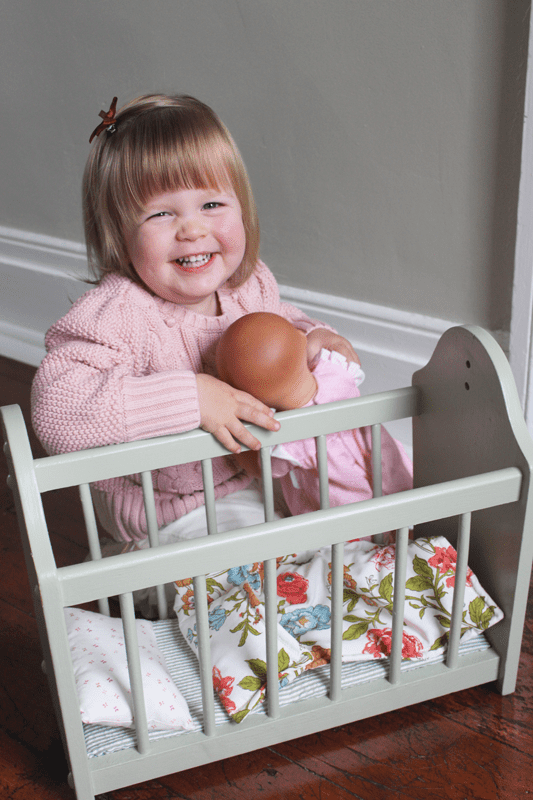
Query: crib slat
(209, 495)
(400, 570)
(204, 654)
(377, 472)
(271, 593)
(337, 591)
(377, 480)
(322, 463)
(92, 536)
(461, 569)
(153, 534)
(337, 574)
(271, 638)
(134, 669)
(268, 487)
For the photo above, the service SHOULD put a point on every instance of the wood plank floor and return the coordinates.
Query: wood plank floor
(474, 744)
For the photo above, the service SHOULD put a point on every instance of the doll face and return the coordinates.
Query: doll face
(186, 244)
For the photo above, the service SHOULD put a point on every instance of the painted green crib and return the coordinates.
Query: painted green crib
(472, 464)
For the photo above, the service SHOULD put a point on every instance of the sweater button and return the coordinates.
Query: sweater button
(170, 322)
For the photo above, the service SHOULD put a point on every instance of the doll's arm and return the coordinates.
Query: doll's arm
(324, 338)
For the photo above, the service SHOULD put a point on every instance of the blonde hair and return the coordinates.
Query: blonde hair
(161, 143)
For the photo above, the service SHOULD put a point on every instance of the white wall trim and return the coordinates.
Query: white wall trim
(45, 254)
(380, 330)
(373, 328)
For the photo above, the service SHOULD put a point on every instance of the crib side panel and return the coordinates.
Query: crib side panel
(470, 423)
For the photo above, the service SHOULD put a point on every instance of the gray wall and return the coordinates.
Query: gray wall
(382, 136)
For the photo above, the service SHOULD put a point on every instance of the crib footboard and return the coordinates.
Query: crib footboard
(472, 458)
(471, 422)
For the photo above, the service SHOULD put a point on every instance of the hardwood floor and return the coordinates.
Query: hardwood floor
(474, 744)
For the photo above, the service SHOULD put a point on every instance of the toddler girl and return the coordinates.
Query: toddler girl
(172, 233)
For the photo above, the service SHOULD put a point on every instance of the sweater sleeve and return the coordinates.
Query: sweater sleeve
(91, 389)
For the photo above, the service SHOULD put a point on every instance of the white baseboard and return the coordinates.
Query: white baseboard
(40, 277)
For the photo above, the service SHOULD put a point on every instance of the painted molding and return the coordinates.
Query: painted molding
(41, 275)
(373, 328)
(44, 254)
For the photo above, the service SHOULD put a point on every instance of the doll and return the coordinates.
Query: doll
(265, 355)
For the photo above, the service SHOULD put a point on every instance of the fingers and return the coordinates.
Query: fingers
(234, 434)
(250, 410)
(224, 409)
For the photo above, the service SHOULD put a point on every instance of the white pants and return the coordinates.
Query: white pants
(237, 510)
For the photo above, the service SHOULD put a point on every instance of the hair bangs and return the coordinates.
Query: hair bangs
(160, 156)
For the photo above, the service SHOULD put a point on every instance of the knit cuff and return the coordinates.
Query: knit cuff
(160, 404)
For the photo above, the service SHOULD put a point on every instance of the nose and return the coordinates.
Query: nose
(190, 228)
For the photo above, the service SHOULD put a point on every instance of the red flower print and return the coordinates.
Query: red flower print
(451, 581)
(224, 687)
(292, 587)
(444, 559)
(380, 643)
(411, 646)
(384, 557)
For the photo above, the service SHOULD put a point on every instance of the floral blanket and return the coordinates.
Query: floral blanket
(237, 613)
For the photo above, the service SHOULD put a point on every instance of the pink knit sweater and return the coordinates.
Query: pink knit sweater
(121, 366)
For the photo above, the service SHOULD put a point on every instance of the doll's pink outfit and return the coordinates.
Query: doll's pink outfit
(349, 452)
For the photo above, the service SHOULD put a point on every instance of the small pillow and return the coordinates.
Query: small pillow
(98, 651)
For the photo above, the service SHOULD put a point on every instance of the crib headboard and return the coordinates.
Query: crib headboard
(471, 422)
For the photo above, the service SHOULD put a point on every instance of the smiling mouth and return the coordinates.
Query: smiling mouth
(194, 263)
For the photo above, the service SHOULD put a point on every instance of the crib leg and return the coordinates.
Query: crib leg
(81, 792)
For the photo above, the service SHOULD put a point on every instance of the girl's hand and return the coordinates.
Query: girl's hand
(329, 340)
(222, 408)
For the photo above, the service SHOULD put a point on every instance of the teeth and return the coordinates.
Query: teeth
(196, 260)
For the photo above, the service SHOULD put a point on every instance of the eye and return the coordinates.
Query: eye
(158, 214)
(211, 204)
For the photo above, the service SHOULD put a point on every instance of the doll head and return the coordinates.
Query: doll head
(159, 143)
(266, 356)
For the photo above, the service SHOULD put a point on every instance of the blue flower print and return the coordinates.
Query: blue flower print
(217, 617)
(240, 575)
(304, 620)
(192, 636)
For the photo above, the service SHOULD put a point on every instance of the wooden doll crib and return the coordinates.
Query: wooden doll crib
(472, 464)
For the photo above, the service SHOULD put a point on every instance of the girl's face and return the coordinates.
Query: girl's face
(186, 243)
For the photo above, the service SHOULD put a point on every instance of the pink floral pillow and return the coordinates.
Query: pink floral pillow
(98, 651)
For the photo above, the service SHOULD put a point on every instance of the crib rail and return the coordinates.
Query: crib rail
(71, 469)
(81, 583)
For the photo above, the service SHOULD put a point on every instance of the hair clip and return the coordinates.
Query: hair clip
(109, 121)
